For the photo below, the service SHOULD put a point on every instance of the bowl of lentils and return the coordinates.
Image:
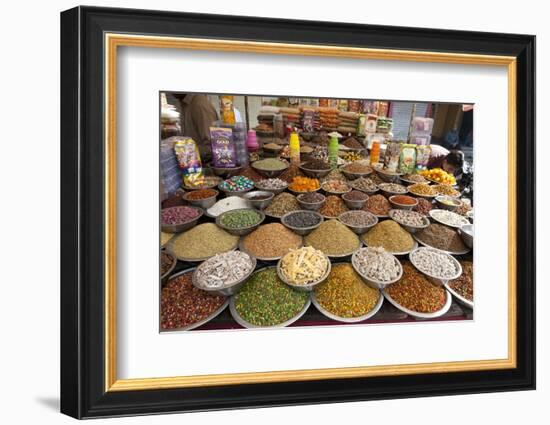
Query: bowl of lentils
(241, 221)
(411, 221)
(390, 189)
(203, 198)
(315, 168)
(355, 200)
(179, 219)
(302, 222)
(435, 264)
(270, 167)
(335, 187)
(359, 221)
(365, 184)
(356, 169)
(311, 201)
(376, 266)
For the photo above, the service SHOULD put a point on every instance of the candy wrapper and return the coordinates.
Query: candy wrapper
(223, 147)
(189, 160)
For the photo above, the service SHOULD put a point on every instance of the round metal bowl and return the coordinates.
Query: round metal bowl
(302, 231)
(399, 206)
(226, 290)
(259, 203)
(164, 277)
(333, 192)
(406, 182)
(444, 206)
(312, 206)
(241, 231)
(266, 259)
(357, 319)
(414, 246)
(178, 228)
(375, 283)
(456, 226)
(358, 229)
(315, 173)
(354, 204)
(299, 192)
(239, 193)
(417, 314)
(200, 322)
(304, 288)
(388, 176)
(226, 172)
(202, 203)
(465, 302)
(466, 232)
(350, 175)
(258, 186)
(210, 183)
(270, 173)
(458, 266)
(429, 197)
(390, 193)
(465, 251)
(409, 228)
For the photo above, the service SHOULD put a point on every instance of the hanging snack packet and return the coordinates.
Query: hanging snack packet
(189, 160)
(223, 147)
(422, 157)
(226, 109)
(407, 161)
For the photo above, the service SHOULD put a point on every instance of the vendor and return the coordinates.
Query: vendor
(197, 116)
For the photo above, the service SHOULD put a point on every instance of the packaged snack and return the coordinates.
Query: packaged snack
(420, 139)
(383, 108)
(371, 123)
(392, 156)
(226, 109)
(361, 125)
(384, 125)
(323, 103)
(343, 105)
(370, 107)
(422, 156)
(354, 105)
(223, 147)
(189, 160)
(407, 160)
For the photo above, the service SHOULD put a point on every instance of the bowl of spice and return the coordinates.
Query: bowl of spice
(345, 297)
(280, 205)
(358, 221)
(207, 182)
(415, 295)
(311, 201)
(270, 167)
(411, 221)
(304, 185)
(184, 307)
(315, 168)
(462, 288)
(390, 189)
(386, 175)
(167, 265)
(224, 274)
(335, 187)
(435, 264)
(203, 198)
(259, 199)
(445, 202)
(333, 238)
(390, 236)
(422, 190)
(378, 205)
(445, 189)
(265, 301)
(365, 184)
(403, 202)
(333, 207)
(274, 185)
(356, 169)
(448, 218)
(409, 179)
(272, 147)
(466, 232)
(227, 204)
(304, 268)
(201, 242)
(270, 242)
(236, 186)
(355, 200)
(377, 267)
(179, 219)
(240, 222)
(226, 172)
(424, 206)
(302, 222)
(443, 238)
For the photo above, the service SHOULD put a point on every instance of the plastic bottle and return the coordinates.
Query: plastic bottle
(294, 145)
(333, 152)
(375, 153)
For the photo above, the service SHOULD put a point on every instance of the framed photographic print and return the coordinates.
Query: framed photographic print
(261, 212)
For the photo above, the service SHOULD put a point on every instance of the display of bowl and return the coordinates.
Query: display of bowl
(241, 231)
(259, 203)
(419, 315)
(313, 206)
(259, 186)
(409, 228)
(372, 282)
(226, 172)
(359, 230)
(354, 204)
(466, 232)
(270, 173)
(302, 231)
(226, 290)
(434, 278)
(357, 319)
(304, 288)
(399, 206)
(314, 173)
(447, 202)
(182, 227)
(202, 203)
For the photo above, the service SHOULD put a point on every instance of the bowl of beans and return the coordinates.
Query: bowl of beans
(436, 264)
(179, 219)
(203, 198)
(422, 190)
(167, 265)
(274, 185)
(387, 175)
(390, 189)
(403, 202)
(311, 201)
(376, 266)
(335, 187)
(358, 221)
(259, 199)
(315, 168)
(270, 167)
(365, 184)
(355, 200)
(411, 221)
(302, 222)
(241, 221)
(226, 172)
(356, 170)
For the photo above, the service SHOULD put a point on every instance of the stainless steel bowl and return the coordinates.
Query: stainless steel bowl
(258, 186)
(178, 228)
(388, 176)
(239, 193)
(226, 290)
(409, 228)
(466, 232)
(315, 173)
(313, 206)
(304, 288)
(457, 264)
(204, 203)
(399, 206)
(299, 192)
(354, 204)
(353, 175)
(226, 172)
(269, 173)
(259, 203)
(390, 193)
(358, 229)
(164, 277)
(442, 205)
(242, 230)
(302, 231)
(375, 283)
